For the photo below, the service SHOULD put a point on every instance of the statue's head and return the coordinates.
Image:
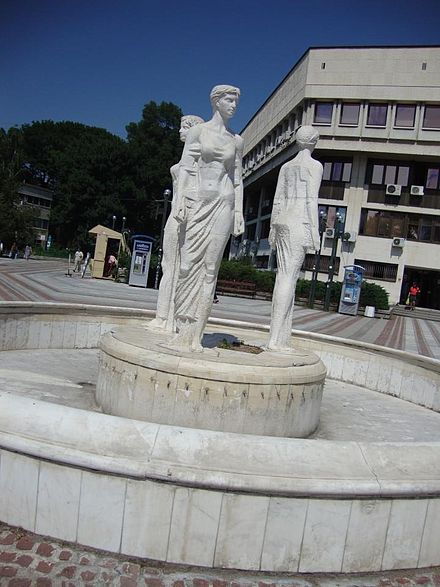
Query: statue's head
(306, 137)
(224, 99)
(186, 122)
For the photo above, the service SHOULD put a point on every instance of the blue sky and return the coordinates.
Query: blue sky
(99, 61)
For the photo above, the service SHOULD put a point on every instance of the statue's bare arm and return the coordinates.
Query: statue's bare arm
(314, 184)
(238, 188)
(280, 194)
(187, 171)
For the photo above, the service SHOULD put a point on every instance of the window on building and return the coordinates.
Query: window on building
(252, 209)
(250, 231)
(330, 213)
(405, 115)
(423, 228)
(431, 118)
(350, 114)
(266, 205)
(432, 178)
(375, 270)
(377, 114)
(262, 261)
(265, 228)
(323, 112)
(324, 262)
(337, 171)
(382, 223)
(40, 223)
(384, 174)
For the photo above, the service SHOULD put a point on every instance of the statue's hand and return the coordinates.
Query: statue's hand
(272, 238)
(180, 214)
(238, 223)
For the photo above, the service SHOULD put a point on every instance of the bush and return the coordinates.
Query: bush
(374, 295)
(242, 270)
(53, 251)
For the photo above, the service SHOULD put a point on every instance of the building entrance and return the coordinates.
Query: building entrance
(429, 284)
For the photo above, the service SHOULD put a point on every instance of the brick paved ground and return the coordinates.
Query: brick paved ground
(46, 281)
(28, 560)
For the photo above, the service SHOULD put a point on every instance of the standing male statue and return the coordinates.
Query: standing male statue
(172, 242)
(294, 230)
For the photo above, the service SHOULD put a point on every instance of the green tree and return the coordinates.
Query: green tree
(15, 219)
(89, 169)
(154, 147)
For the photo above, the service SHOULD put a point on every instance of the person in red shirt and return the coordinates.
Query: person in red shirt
(414, 291)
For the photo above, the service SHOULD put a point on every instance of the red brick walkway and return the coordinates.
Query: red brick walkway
(28, 560)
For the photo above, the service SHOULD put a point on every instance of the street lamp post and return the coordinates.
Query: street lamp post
(113, 222)
(317, 259)
(331, 267)
(165, 200)
(124, 219)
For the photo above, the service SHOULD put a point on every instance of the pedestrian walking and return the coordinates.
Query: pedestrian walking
(414, 291)
(27, 252)
(13, 253)
(77, 260)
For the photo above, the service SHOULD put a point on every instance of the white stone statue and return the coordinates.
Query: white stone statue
(172, 243)
(294, 230)
(210, 209)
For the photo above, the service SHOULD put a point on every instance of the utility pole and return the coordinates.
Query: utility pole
(164, 201)
(331, 267)
(317, 259)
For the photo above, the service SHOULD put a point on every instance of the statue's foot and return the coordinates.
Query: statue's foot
(157, 324)
(279, 348)
(176, 345)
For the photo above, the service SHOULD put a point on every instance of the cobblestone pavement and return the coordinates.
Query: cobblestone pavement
(28, 560)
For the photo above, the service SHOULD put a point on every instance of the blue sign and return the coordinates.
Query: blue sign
(142, 246)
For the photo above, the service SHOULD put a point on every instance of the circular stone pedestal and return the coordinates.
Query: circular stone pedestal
(271, 394)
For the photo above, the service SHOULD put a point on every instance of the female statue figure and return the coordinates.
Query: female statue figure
(172, 242)
(210, 209)
(294, 230)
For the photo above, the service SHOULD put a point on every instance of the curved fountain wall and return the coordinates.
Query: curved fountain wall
(219, 499)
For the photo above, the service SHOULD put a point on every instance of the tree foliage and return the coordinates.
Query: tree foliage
(89, 170)
(15, 219)
(94, 174)
(154, 146)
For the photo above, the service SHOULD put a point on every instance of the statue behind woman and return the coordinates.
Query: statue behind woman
(211, 208)
(172, 242)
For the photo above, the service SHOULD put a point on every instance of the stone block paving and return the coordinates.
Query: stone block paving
(29, 560)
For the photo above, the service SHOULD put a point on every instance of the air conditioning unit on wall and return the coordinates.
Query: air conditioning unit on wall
(417, 190)
(399, 242)
(393, 189)
(350, 237)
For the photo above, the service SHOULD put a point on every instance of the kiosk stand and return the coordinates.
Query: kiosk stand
(351, 290)
(140, 260)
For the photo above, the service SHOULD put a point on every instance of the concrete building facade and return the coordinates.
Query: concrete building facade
(378, 113)
(40, 199)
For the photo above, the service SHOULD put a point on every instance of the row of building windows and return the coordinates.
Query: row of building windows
(377, 115)
(403, 173)
(40, 223)
(280, 135)
(382, 223)
(35, 201)
(372, 269)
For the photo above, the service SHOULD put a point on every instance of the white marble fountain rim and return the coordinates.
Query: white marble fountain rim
(217, 460)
